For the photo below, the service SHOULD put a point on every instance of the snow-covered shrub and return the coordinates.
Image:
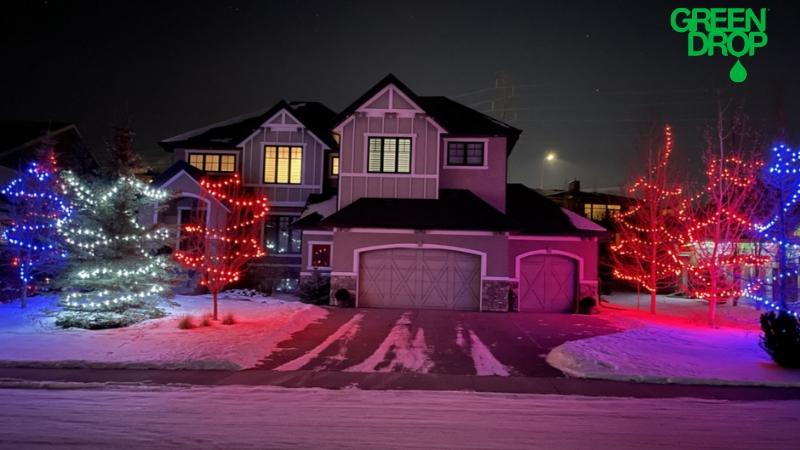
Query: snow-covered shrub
(107, 318)
(315, 290)
(186, 322)
(781, 339)
(228, 319)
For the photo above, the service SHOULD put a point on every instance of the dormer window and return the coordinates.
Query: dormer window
(465, 153)
(389, 155)
(283, 164)
(213, 162)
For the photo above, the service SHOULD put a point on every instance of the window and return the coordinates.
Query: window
(279, 238)
(599, 212)
(389, 155)
(320, 255)
(283, 165)
(465, 154)
(212, 162)
(334, 166)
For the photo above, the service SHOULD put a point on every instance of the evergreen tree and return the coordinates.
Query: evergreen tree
(36, 209)
(116, 275)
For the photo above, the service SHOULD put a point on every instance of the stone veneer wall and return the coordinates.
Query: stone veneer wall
(341, 282)
(495, 295)
(587, 290)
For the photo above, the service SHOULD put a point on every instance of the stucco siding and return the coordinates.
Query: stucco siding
(487, 183)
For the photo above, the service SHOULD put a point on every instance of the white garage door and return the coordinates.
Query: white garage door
(547, 284)
(419, 278)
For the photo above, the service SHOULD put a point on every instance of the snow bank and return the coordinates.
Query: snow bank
(244, 417)
(668, 354)
(29, 337)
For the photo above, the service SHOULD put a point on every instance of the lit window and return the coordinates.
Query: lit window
(389, 155)
(337, 137)
(600, 212)
(334, 166)
(320, 255)
(283, 165)
(465, 154)
(211, 162)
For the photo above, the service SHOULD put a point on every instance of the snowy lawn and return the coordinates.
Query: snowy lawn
(675, 346)
(28, 337)
(259, 417)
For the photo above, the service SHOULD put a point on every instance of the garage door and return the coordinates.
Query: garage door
(547, 284)
(419, 278)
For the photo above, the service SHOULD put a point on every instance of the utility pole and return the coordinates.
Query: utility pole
(503, 105)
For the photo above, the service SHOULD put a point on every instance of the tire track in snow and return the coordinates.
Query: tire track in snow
(485, 363)
(347, 331)
(398, 351)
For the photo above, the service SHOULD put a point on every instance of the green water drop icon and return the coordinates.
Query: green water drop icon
(738, 72)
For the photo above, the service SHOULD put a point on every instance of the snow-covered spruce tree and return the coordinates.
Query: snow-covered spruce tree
(36, 209)
(116, 275)
(650, 232)
(720, 219)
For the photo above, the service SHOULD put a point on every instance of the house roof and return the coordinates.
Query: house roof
(540, 216)
(229, 134)
(19, 139)
(455, 209)
(175, 169)
(454, 117)
(308, 222)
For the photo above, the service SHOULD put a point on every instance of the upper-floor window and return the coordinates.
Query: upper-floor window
(334, 166)
(389, 155)
(213, 162)
(283, 165)
(465, 153)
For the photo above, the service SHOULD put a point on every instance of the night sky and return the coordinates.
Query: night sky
(587, 75)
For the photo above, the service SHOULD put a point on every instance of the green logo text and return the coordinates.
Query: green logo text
(734, 31)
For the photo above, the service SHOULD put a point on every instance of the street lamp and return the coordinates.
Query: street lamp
(549, 157)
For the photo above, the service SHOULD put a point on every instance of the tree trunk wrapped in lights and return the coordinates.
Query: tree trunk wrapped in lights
(116, 274)
(36, 209)
(223, 234)
(720, 218)
(650, 232)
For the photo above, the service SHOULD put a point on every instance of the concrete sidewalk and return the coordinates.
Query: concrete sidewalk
(401, 381)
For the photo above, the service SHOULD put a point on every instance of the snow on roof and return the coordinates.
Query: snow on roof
(199, 131)
(582, 223)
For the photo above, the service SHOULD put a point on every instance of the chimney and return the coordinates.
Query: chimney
(574, 186)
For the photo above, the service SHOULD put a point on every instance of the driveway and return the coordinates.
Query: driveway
(433, 341)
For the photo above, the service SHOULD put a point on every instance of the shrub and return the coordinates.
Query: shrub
(101, 320)
(228, 319)
(316, 289)
(781, 339)
(587, 305)
(205, 321)
(186, 322)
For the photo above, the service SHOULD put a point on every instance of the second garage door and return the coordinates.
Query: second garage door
(419, 278)
(547, 284)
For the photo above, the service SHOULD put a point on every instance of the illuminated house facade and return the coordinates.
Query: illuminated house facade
(424, 216)
(286, 153)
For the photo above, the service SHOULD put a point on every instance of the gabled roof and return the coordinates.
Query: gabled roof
(309, 222)
(229, 134)
(175, 169)
(15, 134)
(19, 141)
(451, 115)
(540, 216)
(455, 209)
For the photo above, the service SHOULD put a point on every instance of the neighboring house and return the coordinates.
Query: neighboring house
(597, 206)
(286, 153)
(424, 217)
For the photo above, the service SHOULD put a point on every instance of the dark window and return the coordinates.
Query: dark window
(389, 155)
(320, 255)
(213, 162)
(465, 153)
(279, 238)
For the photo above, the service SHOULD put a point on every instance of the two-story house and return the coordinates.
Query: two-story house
(424, 217)
(286, 153)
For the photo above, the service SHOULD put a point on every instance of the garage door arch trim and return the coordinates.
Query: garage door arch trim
(357, 259)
